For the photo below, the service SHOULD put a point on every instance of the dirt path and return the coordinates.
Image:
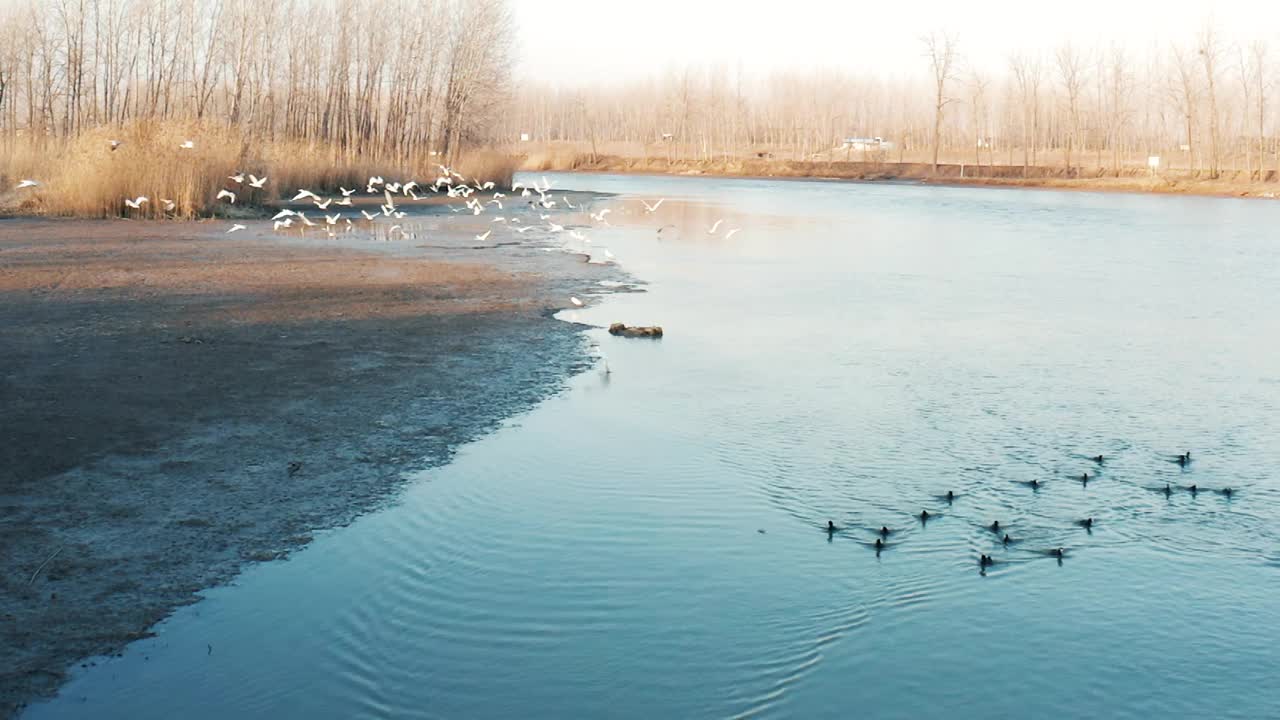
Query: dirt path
(177, 404)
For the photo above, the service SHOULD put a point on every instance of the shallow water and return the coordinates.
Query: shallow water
(649, 543)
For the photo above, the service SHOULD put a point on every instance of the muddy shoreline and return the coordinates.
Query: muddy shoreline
(871, 173)
(178, 404)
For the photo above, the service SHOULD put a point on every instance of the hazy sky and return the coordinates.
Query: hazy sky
(591, 41)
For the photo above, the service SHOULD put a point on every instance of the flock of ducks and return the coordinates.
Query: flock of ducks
(1059, 552)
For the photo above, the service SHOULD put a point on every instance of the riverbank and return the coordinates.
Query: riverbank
(179, 403)
(1176, 183)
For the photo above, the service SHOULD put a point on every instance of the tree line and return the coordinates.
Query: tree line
(1203, 105)
(393, 78)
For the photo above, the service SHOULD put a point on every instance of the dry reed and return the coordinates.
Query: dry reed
(86, 177)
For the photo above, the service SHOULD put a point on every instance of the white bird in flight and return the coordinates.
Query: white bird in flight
(653, 207)
(568, 204)
(169, 205)
(256, 182)
(345, 192)
(28, 184)
(323, 205)
(715, 227)
(484, 237)
(188, 145)
(235, 228)
(230, 196)
(137, 202)
(556, 228)
(599, 217)
(333, 219)
(731, 233)
(238, 178)
(345, 202)
(114, 144)
(283, 214)
(523, 230)
(367, 215)
(305, 220)
(285, 223)
(576, 302)
(304, 194)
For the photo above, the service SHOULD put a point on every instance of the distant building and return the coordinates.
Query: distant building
(861, 143)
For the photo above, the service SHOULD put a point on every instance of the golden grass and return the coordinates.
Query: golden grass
(85, 177)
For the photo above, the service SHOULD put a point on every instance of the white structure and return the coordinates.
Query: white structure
(524, 137)
(875, 143)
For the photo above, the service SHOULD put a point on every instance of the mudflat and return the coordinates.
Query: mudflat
(177, 403)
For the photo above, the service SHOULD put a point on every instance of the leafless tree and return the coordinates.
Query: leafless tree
(942, 49)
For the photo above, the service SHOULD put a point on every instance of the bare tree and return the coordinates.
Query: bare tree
(1071, 74)
(1209, 50)
(942, 51)
(1027, 74)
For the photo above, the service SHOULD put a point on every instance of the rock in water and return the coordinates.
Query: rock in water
(635, 332)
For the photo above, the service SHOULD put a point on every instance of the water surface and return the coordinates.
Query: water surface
(649, 543)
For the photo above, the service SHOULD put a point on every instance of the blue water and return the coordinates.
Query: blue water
(649, 544)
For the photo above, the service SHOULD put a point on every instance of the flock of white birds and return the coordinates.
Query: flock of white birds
(449, 181)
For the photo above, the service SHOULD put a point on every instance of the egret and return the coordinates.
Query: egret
(577, 235)
(235, 228)
(652, 208)
(304, 194)
(400, 214)
(28, 184)
(484, 237)
(333, 219)
(238, 178)
(731, 233)
(556, 228)
(256, 182)
(523, 230)
(544, 216)
(230, 196)
(376, 180)
(188, 145)
(715, 227)
(576, 302)
(285, 223)
(599, 217)
(409, 186)
(498, 195)
(323, 205)
(496, 202)
(305, 220)
(169, 205)
(345, 192)
(487, 186)
(393, 187)
(284, 214)
(498, 219)
(367, 215)
(136, 203)
(568, 204)
(344, 202)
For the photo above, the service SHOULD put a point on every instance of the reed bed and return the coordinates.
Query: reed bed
(85, 177)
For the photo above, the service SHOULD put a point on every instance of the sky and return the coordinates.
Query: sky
(589, 42)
